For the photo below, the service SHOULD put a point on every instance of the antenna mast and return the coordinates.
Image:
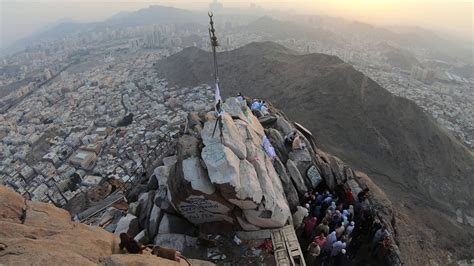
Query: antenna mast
(214, 44)
(217, 94)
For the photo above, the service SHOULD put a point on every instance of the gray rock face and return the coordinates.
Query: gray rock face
(234, 108)
(145, 205)
(223, 166)
(283, 126)
(178, 242)
(171, 224)
(128, 224)
(296, 177)
(132, 208)
(274, 210)
(231, 136)
(156, 216)
(248, 192)
(195, 174)
(169, 161)
(246, 226)
(201, 209)
(191, 190)
(322, 159)
(161, 174)
(209, 182)
(278, 142)
(288, 187)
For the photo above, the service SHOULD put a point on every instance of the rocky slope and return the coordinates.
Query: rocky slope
(33, 233)
(421, 167)
(221, 184)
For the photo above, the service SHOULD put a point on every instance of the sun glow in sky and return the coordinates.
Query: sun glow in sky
(21, 17)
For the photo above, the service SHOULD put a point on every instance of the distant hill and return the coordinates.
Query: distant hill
(275, 29)
(147, 16)
(154, 15)
(400, 58)
(414, 160)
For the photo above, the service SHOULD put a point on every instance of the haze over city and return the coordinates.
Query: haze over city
(20, 18)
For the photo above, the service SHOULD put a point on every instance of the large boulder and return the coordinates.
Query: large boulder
(243, 113)
(179, 242)
(248, 193)
(313, 175)
(288, 187)
(296, 177)
(223, 167)
(128, 224)
(171, 224)
(278, 142)
(191, 191)
(273, 211)
(153, 224)
(322, 160)
(230, 135)
(145, 206)
(283, 126)
(197, 176)
(199, 209)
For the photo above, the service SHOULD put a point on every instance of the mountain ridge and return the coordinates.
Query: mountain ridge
(390, 138)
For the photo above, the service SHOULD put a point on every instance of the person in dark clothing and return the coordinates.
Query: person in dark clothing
(364, 194)
(375, 227)
(130, 244)
(354, 246)
(340, 191)
(340, 259)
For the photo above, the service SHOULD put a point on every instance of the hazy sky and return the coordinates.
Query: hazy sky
(19, 18)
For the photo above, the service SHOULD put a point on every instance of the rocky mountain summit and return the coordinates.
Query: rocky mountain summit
(217, 195)
(423, 169)
(215, 184)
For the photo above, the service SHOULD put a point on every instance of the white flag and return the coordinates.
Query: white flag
(217, 94)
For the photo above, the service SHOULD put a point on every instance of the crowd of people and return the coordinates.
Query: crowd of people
(332, 227)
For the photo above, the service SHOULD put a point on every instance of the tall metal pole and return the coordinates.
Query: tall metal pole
(218, 99)
(214, 44)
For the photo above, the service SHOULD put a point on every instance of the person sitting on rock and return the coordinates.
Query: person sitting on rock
(298, 144)
(264, 109)
(130, 245)
(299, 215)
(290, 137)
(269, 148)
(241, 99)
(255, 105)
